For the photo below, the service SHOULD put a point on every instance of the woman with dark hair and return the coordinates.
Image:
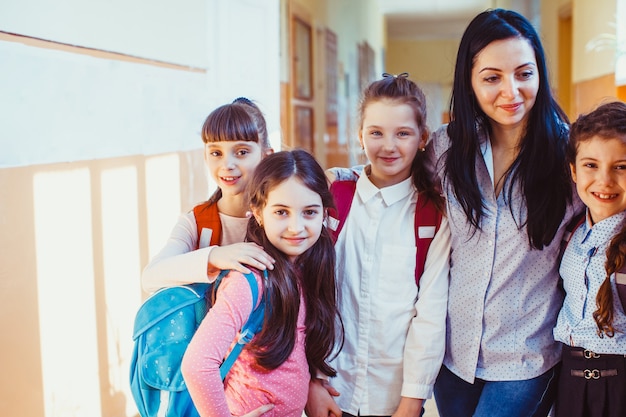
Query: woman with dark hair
(501, 165)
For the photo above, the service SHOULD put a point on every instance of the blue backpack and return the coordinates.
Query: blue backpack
(164, 326)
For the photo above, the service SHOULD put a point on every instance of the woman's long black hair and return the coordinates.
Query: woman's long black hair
(540, 168)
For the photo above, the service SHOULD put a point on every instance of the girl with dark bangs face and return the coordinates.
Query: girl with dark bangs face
(211, 236)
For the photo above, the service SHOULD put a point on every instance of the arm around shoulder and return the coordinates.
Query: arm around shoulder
(344, 174)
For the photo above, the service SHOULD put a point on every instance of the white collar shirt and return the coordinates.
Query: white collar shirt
(394, 345)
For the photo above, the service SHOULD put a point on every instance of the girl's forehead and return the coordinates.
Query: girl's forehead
(294, 191)
(389, 111)
(232, 144)
(385, 105)
(598, 145)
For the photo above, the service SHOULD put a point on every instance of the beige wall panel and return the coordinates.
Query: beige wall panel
(75, 238)
(592, 20)
(549, 32)
(591, 93)
(22, 393)
(426, 61)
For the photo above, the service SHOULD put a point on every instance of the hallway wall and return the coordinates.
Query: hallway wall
(591, 64)
(102, 104)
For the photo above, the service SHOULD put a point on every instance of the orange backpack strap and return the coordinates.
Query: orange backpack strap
(208, 217)
(427, 220)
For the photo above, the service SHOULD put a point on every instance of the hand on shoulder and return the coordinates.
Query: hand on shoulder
(237, 256)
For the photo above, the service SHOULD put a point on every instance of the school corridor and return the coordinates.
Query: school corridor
(102, 103)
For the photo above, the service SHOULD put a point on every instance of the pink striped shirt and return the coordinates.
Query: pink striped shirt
(247, 386)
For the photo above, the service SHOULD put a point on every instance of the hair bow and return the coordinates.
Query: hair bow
(401, 75)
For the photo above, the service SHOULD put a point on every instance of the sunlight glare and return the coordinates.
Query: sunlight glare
(67, 316)
(162, 198)
(120, 237)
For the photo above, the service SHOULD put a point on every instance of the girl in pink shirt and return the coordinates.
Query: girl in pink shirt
(289, 198)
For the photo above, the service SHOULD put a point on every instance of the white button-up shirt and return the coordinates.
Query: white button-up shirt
(394, 344)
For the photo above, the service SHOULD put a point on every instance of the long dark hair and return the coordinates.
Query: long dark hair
(539, 168)
(608, 121)
(312, 273)
(400, 89)
(241, 120)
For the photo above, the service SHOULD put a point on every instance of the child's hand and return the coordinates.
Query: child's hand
(259, 411)
(237, 255)
(409, 407)
(320, 401)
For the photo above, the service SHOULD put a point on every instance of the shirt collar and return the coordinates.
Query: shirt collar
(485, 149)
(604, 230)
(392, 194)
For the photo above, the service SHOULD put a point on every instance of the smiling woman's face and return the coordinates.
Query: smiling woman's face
(505, 81)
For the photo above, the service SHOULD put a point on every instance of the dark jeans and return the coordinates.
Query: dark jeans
(528, 398)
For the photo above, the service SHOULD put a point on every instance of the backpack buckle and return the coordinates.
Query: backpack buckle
(245, 337)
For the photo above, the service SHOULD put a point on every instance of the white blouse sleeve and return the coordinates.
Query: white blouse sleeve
(425, 343)
(178, 262)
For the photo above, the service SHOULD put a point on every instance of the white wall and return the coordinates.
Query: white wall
(59, 106)
(365, 25)
(244, 60)
(63, 105)
(163, 30)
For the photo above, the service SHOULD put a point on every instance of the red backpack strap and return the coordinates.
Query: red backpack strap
(620, 285)
(343, 194)
(208, 217)
(427, 222)
(570, 228)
